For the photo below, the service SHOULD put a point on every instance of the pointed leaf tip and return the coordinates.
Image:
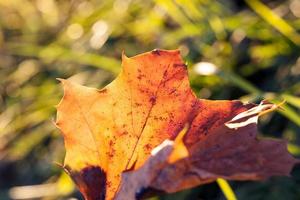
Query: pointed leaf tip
(60, 79)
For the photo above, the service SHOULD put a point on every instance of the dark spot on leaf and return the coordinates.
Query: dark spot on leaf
(112, 152)
(103, 91)
(179, 65)
(152, 100)
(172, 91)
(58, 123)
(139, 77)
(148, 147)
(165, 74)
(124, 133)
(138, 104)
(156, 52)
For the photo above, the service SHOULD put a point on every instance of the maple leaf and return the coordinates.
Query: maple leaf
(113, 130)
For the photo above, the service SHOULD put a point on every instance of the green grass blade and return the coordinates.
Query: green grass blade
(274, 20)
(226, 189)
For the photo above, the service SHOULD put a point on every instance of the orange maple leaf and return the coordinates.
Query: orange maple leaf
(114, 129)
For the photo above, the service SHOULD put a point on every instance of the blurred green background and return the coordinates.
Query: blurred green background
(246, 50)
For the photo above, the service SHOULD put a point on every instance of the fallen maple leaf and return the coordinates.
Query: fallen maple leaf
(113, 130)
